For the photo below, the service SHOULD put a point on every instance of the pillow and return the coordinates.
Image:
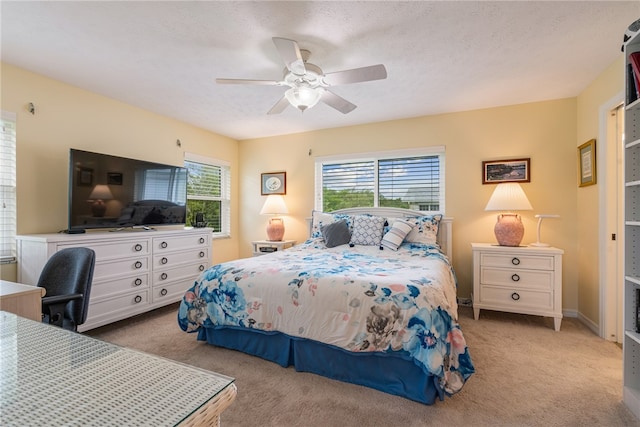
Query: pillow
(425, 229)
(336, 234)
(318, 219)
(367, 230)
(396, 234)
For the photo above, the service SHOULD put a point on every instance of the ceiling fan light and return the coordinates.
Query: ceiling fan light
(303, 97)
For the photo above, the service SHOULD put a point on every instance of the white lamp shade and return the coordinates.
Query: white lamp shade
(274, 205)
(508, 197)
(303, 97)
(101, 191)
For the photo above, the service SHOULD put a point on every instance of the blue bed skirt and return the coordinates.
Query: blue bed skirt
(386, 372)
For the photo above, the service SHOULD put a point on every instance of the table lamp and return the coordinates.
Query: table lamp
(540, 217)
(274, 205)
(99, 194)
(509, 197)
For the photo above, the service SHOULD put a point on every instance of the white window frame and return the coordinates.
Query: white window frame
(225, 190)
(8, 214)
(376, 156)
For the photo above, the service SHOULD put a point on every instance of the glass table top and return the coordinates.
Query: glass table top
(50, 376)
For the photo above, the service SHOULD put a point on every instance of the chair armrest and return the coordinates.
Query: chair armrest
(56, 299)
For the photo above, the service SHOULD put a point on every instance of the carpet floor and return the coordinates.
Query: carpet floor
(526, 375)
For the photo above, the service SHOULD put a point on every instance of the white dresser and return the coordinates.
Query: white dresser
(524, 279)
(135, 271)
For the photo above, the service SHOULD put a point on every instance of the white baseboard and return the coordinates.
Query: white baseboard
(594, 327)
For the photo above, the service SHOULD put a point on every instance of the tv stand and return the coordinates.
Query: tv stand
(134, 272)
(134, 228)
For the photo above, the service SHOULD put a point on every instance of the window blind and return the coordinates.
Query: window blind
(209, 192)
(8, 187)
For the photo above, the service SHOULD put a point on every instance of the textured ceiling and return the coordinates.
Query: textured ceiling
(441, 56)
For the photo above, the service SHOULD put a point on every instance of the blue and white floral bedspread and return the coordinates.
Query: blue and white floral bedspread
(361, 299)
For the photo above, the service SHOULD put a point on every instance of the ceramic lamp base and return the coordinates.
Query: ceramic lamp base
(509, 230)
(275, 229)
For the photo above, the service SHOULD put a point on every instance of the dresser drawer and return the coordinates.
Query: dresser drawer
(120, 267)
(111, 306)
(517, 278)
(176, 258)
(530, 262)
(105, 288)
(116, 249)
(176, 243)
(515, 299)
(170, 291)
(189, 271)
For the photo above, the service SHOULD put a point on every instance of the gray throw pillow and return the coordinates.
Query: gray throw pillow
(336, 234)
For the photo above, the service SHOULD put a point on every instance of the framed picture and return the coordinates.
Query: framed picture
(114, 178)
(84, 177)
(513, 170)
(587, 163)
(274, 183)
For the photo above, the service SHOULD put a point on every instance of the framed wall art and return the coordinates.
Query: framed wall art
(512, 170)
(84, 177)
(273, 183)
(587, 163)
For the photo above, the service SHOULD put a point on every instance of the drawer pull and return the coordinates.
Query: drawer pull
(515, 278)
(163, 276)
(515, 261)
(201, 268)
(201, 240)
(138, 264)
(163, 260)
(137, 299)
(163, 292)
(138, 282)
(164, 245)
(515, 296)
(201, 254)
(137, 247)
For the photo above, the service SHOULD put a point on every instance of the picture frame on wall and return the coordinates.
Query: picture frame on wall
(511, 170)
(273, 183)
(84, 177)
(587, 163)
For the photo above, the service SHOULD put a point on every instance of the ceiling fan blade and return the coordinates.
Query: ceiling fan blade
(248, 82)
(337, 102)
(290, 54)
(356, 75)
(279, 107)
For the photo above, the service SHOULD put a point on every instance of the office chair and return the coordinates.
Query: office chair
(67, 277)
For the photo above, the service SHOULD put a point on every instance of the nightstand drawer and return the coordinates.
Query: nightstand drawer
(516, 278)
(515, 298)
(517, 261)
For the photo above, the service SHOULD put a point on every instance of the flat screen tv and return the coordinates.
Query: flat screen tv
(116, 192)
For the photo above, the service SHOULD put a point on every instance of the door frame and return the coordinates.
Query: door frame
(610, 279)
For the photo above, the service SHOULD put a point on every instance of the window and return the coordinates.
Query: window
(209, 192)
(411, 179)
(8, 187)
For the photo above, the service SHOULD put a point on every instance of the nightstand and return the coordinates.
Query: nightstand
(523, 279)
(263, 247)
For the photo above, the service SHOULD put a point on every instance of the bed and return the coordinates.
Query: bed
(369, 299)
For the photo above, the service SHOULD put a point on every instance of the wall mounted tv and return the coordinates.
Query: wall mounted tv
(116, 192)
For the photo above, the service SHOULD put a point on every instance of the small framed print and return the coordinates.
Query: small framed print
(114, 178)
(273, 183)
(514, 170)
(84, 177)
(587, 163)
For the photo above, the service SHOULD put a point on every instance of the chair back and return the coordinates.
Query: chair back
(70, 271)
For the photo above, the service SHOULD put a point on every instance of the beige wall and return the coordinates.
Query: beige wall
(543, 131)
(68, 117)
(609, 84)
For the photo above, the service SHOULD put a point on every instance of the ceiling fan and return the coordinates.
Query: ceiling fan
(307, 83)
